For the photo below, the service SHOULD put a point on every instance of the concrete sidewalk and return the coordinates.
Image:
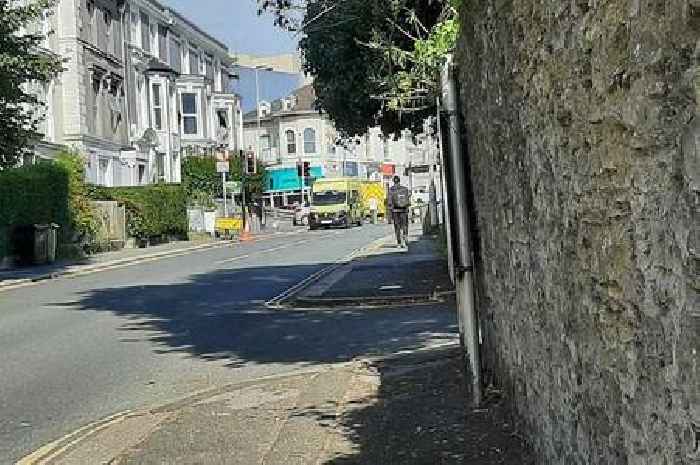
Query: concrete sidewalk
(383, 275)
(406, 409)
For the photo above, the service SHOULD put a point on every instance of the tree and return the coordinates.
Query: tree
(373, 61)
(202, 183)
(22, 62)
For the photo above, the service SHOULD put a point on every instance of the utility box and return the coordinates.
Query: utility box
(45, 243)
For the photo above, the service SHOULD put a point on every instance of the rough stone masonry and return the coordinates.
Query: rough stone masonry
(583, 130)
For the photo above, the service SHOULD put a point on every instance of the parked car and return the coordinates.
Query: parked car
(301, 214)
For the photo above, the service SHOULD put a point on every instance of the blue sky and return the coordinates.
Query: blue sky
(237, 24)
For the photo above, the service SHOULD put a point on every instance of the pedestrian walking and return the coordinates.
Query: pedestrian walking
(373, 206)
(399, 203)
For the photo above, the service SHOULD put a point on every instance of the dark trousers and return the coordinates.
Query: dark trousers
(400, 218)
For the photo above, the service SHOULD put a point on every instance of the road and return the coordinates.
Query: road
(76, 350)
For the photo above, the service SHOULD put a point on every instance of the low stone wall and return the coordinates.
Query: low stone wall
(583, 127)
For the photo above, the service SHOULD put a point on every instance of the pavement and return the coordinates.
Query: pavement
(383, 275)
(374, 386)
(406, 409)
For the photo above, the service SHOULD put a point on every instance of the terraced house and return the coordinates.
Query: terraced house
(143, 87)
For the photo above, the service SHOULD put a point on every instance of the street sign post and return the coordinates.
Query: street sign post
(223, 168)
(233, 187)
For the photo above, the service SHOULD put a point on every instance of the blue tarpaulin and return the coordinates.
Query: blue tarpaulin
(287, 179)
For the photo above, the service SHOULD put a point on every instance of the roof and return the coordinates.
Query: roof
(157, 4)
(304, 102)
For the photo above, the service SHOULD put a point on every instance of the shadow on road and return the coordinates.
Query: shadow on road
(219, 316)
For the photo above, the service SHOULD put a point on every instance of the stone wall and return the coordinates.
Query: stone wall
(583, 127)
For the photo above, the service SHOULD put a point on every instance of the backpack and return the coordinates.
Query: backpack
(400, 198)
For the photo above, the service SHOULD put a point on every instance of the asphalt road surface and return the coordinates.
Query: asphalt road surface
(76, 350)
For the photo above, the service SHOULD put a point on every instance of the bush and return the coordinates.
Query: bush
(82, 216)
(34, 194)
(199, 177)
(151, 211)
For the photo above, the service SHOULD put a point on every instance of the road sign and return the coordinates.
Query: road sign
(222, 167)
(229, 224)
(418, 169)
(234, 187)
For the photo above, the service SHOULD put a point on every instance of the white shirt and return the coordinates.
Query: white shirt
(372, 203)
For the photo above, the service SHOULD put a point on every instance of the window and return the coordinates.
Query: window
(157, 108)
(134, 26)
(222, 133)
(153, 37)
(160, 166)
(223, 118)
(194, 61)
(103, 171)
(145, 38)
(175, 54)
(163, 43)
(291, 142)
(265, 147)
(209, 71)
(142, 175)
(93, 105)
(189, 113)
(109, 44)
(309, 140)
(89, 19)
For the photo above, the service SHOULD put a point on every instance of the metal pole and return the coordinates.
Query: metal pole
(243, 205)
(300, 163)
(465, 271)
(257, 110)
(443, 185)
(223, 183)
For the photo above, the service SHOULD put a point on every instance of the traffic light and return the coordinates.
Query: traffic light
(250, 167)
(307, 169)
(300, 170)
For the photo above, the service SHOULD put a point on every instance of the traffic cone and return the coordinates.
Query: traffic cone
(246, 236)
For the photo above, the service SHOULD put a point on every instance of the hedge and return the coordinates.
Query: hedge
(34, 194)
(151, 211)
(199, 177)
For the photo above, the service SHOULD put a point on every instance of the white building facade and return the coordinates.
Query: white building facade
(143, 87)
(289, 131)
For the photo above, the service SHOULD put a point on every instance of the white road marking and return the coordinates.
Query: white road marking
(229, 260)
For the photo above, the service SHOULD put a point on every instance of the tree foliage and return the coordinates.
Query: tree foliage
(33, 194)
(82, 216)
(373, 61)
(22, 62)
(202, 183)
(151, 211)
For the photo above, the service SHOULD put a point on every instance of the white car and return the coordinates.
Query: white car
(301, 214)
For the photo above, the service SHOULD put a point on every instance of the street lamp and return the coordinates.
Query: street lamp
(257, 102)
